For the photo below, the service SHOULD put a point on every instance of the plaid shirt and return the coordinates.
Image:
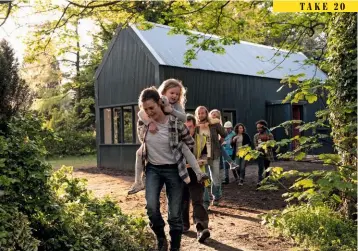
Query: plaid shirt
(178, 136)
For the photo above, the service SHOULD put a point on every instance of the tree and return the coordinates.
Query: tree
(342, 94)
(15, 94)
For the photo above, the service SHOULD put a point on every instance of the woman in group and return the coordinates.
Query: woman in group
(164, 161)
(212, 150)
(241, 139)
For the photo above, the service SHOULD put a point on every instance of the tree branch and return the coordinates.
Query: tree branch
(93, 6)
(194, 11)
(7, 14)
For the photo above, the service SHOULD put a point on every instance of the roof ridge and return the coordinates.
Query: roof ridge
(218, 37)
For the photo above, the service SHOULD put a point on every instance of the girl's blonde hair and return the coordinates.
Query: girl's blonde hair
(217, 111)
(172, 83)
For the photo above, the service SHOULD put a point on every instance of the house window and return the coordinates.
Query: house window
(128, 124)
(191, 111)
(136, 110)
(228, 115)
(107, 126)
(119, 125)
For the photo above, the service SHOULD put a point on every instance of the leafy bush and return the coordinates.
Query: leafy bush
(15, 233)
(72, 143)
(318, 228)
(53, 211)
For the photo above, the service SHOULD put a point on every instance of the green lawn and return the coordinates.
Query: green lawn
(75, 161)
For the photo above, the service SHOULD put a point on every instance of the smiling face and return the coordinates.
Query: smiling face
(260, 128)
(173, 95)
(215, 115)
(152, 109)
(202, 114)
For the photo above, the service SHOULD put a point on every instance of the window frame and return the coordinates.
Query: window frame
(121, 137)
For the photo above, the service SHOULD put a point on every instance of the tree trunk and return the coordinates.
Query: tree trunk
(342, 51)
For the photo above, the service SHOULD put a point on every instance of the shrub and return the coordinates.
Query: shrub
(72, 143)
(15, 232)
(53, 211)
(318, 228)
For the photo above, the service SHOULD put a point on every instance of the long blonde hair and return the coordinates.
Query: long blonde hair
(218, 112)
(172, 83)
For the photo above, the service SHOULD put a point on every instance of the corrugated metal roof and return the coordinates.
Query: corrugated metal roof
(239, 58)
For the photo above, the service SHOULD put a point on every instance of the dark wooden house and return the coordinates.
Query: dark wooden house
(231, 83)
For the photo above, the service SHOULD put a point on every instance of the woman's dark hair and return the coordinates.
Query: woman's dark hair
(236, 128)
(191, 117)
(262, 122)
(148, 94)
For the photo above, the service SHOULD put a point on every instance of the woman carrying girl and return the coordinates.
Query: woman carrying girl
(173, 101)
(162, 151)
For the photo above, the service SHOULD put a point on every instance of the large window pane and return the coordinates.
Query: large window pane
(107, 126)
(229, 116)
(117, 124)
(128, 124)
(190, 111)
(136, 110)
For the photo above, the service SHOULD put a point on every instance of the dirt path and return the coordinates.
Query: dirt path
(234, 224)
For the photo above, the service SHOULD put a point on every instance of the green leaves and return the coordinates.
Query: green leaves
(300, 156)
(304, 183)
(311, 98)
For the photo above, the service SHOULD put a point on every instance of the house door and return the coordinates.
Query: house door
(297, 111)
(277, 113)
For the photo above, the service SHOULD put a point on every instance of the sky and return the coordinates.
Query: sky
(18, 25)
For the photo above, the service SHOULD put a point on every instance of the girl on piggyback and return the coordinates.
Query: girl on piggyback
(173, 99)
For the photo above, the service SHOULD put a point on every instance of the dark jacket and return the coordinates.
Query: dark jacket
(246, 140)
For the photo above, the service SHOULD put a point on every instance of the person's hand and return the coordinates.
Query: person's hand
(168, 109)
(165, 101)
(153, 128)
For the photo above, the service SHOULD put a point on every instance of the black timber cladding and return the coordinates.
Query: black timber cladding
(129, 67)
(246, 94)
(125, 72)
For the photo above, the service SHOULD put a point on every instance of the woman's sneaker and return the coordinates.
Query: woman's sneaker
(241, 182)
(136, 187)
(233, 165)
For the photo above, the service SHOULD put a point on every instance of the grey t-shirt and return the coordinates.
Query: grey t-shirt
(179, 112)
(158, 147)
(239, 141)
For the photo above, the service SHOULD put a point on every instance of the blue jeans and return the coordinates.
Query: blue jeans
(263, 164)
(225, 155)
(242, 166)
(156, 177)
(226, 172)
(214, 168)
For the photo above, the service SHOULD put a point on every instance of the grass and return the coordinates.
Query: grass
(75, 161)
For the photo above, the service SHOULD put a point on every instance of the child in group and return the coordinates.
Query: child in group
(173, 98)
(215, 117)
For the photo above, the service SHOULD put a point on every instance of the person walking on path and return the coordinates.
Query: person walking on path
(194, 191)
(164, 163)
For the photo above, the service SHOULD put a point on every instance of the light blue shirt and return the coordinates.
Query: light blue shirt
(227, 145)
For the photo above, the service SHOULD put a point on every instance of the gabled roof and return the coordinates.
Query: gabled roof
(244, 58)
